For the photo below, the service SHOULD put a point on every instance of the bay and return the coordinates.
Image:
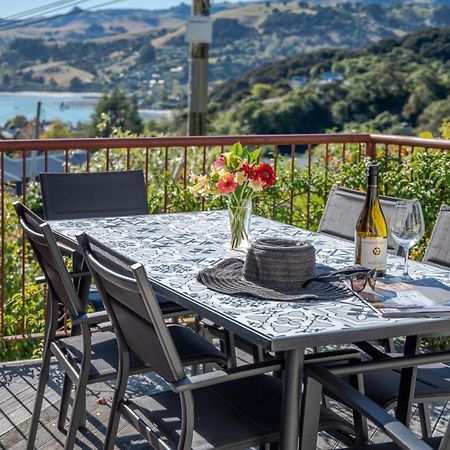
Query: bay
(69, 107)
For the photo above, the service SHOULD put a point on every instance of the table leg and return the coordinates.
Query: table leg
(407, 386)
(290, 413)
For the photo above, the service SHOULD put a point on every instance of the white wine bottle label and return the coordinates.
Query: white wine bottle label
(374, 253)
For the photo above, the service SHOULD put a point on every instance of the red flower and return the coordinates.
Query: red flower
(226, 184)
(266, 174)
(250, 171)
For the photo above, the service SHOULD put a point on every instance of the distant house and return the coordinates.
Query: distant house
(331, 77)
(35, 164)
(9, 133)
(298, 81)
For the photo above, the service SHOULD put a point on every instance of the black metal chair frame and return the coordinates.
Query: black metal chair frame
(62, 291)
(320, 379)
(116, 191)
(136, 281)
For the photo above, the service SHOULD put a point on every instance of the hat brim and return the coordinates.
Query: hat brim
(226, 278)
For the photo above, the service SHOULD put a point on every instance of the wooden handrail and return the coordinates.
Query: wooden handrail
(206, 141)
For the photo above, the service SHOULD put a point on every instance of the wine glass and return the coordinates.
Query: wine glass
(407, 226)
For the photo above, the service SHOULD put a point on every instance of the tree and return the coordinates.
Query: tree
(121, 112)
(17, 122)
(58, 130)
(147, 54)
(261, 90)
(76, 84)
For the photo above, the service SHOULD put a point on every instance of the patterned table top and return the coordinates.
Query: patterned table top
(174, 247)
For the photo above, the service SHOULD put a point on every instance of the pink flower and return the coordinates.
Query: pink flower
(226, 183)
(220, 161)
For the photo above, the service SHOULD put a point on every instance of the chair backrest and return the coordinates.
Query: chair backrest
(48, 255)
(438, 250)
(95, 194)
(342, 211)
(131, 304)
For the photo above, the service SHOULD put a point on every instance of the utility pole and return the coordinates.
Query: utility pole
(37, 125)
(198, 76)
(37, 121)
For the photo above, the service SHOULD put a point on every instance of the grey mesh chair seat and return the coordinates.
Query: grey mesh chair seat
(105, 357)
(99, 194)
(438, 250)
(431, 384)
(432, 442)
(235, 414)
(342, 211)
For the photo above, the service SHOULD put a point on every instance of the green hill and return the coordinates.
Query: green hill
(144, 52)
(395, 85)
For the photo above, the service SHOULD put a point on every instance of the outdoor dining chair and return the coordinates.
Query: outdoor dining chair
(342, 211)
(433, 382)
(85, 357)
(98, 194)
(223, 409)
(401, 437)
(383, 386)
(438, 250)
(93, 194)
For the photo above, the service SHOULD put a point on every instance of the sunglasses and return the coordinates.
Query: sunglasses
(358, 277)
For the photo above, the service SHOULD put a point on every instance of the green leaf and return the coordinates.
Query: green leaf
(237, 149)
(254, 155)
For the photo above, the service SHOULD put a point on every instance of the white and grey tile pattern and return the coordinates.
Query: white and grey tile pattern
(174, 247)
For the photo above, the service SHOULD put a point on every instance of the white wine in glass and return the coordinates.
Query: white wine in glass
(407, 226)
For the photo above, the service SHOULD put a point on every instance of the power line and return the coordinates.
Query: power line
(43, 8)
(48, 19)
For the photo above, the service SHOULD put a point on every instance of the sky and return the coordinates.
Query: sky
(8, 7)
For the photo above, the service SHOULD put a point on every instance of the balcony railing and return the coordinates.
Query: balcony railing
(166, 163)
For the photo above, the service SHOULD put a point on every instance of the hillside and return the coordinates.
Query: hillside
(143, 52)
(396, 85)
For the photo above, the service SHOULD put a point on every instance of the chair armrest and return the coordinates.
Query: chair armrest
(40, 280)
(220, 376)
(105, 326)
(91, 318)
(347, 394)
(75, 274)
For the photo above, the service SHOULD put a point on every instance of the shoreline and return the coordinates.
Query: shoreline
(50, 94)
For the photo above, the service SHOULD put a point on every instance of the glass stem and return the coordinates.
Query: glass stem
(405, 269)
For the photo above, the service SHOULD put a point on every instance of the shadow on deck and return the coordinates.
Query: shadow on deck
(18, 383)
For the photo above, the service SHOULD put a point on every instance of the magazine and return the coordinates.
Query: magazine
(413, 298)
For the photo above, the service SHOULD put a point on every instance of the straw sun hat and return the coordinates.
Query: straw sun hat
(274, 269)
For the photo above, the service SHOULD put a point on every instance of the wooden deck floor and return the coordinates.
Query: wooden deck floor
(17, 391)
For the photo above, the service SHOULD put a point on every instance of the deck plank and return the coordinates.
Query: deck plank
(18, 386)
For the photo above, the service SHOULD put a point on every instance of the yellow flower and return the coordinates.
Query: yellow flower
(224, 174)
(256, 185)
(240, 178)
(202, 183)
(204, 192)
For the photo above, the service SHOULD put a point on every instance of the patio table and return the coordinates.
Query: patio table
(174, 247)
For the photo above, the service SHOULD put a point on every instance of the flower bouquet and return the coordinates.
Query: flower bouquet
(238, 175)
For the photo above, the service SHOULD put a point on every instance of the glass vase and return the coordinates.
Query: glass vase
(239, 212)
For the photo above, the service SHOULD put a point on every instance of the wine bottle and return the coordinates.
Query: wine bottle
(371, 230)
